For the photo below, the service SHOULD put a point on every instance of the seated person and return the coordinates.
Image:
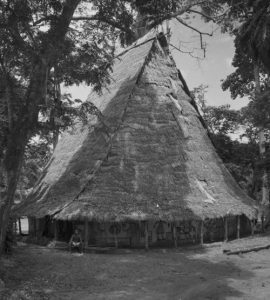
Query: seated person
(76, 241)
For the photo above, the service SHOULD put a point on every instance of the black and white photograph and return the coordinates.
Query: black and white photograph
(134, 149)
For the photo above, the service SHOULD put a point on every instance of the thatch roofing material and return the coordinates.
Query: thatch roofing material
(157, 161)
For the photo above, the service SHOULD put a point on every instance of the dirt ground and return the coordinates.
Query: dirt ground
(191, 273)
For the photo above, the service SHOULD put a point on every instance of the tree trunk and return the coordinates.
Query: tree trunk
(23, 119)
(55, 113)
(12, 173)
(225, 229)
(262, 140)
(19, 122)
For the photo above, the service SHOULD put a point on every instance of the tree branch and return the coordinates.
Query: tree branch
(214, 19)
(186, 52)
(193, 28)
(44, 19)
(49, 52)
(101, 19)
(86, 18)
(175, 14)
(14, 32)
(196, 30)
(202, 14)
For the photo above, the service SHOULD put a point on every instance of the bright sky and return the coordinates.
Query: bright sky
(208, 71)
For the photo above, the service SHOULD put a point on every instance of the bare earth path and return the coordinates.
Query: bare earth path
(39, 273)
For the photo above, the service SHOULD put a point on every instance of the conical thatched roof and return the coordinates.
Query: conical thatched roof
(155, 162)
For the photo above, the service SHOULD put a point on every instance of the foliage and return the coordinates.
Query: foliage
(257, 112)
(251, 78)
(220, 120)
(198, 93)
(254, 33)
(30, 36)
(241, 81)
(251, 48)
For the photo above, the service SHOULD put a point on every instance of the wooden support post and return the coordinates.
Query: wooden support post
(146, 236)
(238, 219)
(35, 227)
(175, 235)
(252, 227)
(201, 232)
(20, 226)
(86, 232)
(55, 227)
(225, 229)
(38, 228)
(14, 227)
(66, 235)
(262, 220)
(196, 232)
(115, 236)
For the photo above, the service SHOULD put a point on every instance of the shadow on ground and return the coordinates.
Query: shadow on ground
(42, 273)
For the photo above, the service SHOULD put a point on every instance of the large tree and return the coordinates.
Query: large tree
(251, 30)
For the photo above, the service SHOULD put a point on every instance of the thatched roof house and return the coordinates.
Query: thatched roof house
(149, 159)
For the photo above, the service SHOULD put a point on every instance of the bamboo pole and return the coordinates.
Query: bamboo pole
(225, 229)
(238, 226)
(201, 233)
(146, 236)
(86, 233)
(175, 235)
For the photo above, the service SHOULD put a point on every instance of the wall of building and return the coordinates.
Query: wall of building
(132, 234)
